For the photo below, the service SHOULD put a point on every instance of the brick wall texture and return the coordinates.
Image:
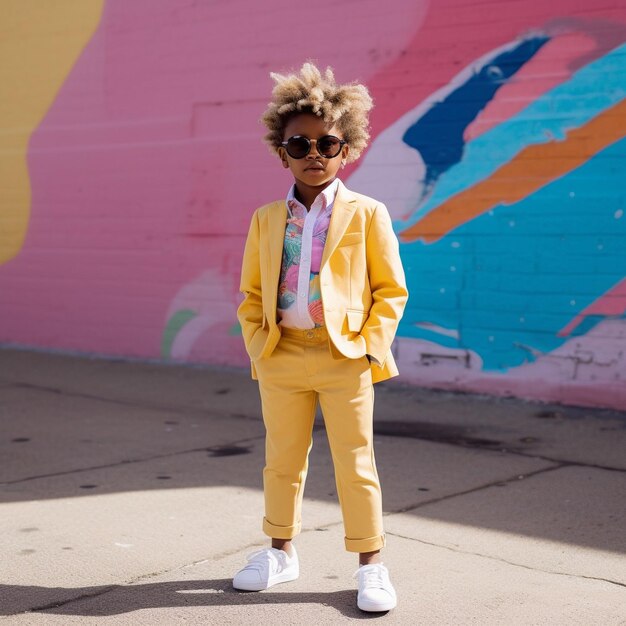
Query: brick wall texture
(131, 161)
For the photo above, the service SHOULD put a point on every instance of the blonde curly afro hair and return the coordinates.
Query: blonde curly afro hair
(311, 92)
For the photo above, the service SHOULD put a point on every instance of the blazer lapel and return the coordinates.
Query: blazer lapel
(276, 224)
(343, 208)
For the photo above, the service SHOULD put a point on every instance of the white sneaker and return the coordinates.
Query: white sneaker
(265, 568)
(376, 593)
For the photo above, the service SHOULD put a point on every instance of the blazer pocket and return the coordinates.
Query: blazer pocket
(349, 239)
(356, 320)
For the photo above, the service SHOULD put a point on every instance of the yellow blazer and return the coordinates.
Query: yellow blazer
(362, 281)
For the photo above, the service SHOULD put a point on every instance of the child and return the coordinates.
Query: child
(324, 291)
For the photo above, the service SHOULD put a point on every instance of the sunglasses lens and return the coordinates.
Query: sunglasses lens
(329, 146)
(298, 147)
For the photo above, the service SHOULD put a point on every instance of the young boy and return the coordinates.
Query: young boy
(324, 291)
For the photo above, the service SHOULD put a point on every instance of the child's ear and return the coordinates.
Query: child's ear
(283, 156)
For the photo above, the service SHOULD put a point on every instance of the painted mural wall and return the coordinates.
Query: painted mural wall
(131, 161)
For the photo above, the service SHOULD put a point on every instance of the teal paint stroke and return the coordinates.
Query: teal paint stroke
(522, 272)
(592, 89)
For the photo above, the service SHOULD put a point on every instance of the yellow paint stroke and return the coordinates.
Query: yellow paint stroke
(39, 43)
(531, 169)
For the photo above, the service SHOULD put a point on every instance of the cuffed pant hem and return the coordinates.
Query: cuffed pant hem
(281, 532)
(365, 545)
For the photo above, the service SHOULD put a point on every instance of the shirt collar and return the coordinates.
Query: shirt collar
(327, 196)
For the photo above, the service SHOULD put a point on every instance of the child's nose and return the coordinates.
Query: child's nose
(313, 152)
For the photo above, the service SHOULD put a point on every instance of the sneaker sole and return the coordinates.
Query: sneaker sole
(282, 578)
(375, 608)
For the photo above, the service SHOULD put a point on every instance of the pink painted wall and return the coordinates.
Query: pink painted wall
(147, 163)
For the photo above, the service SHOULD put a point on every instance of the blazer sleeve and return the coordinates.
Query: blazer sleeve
(250, 311)
(387, 284)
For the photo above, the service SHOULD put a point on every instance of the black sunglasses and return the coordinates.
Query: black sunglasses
(299, 146)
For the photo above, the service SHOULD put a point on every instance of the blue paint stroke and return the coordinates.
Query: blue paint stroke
(438, 134)
(569, 105)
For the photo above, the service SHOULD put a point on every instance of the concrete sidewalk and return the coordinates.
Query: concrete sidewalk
(131, 493)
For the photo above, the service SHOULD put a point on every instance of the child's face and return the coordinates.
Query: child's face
(313, 170)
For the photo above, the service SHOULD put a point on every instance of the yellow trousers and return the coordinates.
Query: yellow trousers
(298, 374)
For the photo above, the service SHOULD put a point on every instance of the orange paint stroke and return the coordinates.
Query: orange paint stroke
(613, 302)
(531, 169)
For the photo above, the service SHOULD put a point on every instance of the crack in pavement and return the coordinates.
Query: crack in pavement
(501, 560)
(192, 411)
(80, 470)
(564, 461)
(216, 557)
(515, 478)
(526, 455)
(56, 605)
(492, 483)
